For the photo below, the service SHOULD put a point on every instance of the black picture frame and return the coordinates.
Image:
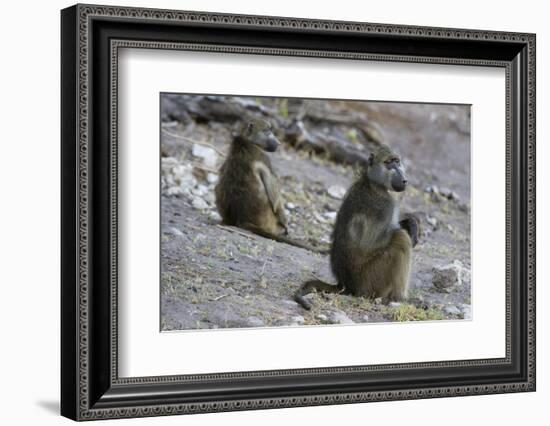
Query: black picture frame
(90, 386)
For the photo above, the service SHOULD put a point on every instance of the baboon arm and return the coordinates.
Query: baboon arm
(272, 191)
(271, 188)
(411, 224)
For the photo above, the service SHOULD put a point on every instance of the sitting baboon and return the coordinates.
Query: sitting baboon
(371, 248)
(247, 194)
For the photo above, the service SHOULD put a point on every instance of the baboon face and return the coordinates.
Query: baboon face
(260, 133)
(386, 169)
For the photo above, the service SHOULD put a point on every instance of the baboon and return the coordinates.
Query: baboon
(371, 248)
(247, 194)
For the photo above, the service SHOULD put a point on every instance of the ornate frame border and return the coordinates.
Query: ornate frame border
(84, 14)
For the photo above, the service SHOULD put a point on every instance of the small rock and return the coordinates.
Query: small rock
(174, 190)
(167, 162)
(212, 177)
(419, 302)
(214, 216)
(169, 124)
(466, 310)
(319, 218)
(463, 207)
(466, 276)
(321, 317)
(175, 231)
(200, 190)
(325, 239)
(378, 301)
(446, 192)
(365, 318)
(446, 277)
(449, 194)
(254, 322)
(183, 175)
(199, 204)
(416, 299)
(210, 198)
(394, 304)
(451, 310)
(290, 206)
(339, 317)
(432, 221)
(432, 189)
(336, 191)
(435, 197)
(208, 155)
(297, 320)
(177, 179)
(331, 216)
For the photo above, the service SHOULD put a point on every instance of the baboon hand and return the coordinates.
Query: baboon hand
(411, 225)
(281, 218)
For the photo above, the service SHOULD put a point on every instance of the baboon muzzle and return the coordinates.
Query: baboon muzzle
(399, 182)
(272, 144)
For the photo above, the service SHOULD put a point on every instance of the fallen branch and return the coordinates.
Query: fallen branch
(237, 231)
(339, 150)
(185, 138)
(370, 130)
(205, 168)
(215, 299)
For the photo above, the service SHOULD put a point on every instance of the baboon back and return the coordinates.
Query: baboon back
(239, 197)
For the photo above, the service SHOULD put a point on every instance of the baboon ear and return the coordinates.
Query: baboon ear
(371, 160)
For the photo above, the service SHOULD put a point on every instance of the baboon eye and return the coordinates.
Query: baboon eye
(396, 160)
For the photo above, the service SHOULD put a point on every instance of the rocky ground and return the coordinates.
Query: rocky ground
(218, 277)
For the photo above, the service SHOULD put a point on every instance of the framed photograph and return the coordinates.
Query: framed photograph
(263, 212)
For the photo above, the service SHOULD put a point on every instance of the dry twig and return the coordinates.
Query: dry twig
(236, 231)
(205, 168)
(185, 138)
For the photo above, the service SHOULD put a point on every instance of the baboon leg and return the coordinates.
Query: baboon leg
(389, 272)
(400, 246)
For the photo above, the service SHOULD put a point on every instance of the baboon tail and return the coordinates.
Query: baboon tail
(282, 239)
(315, 285)
(286, 240)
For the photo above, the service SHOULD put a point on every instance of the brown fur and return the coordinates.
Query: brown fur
(371, 251)
(248, 194)
(240, 196)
